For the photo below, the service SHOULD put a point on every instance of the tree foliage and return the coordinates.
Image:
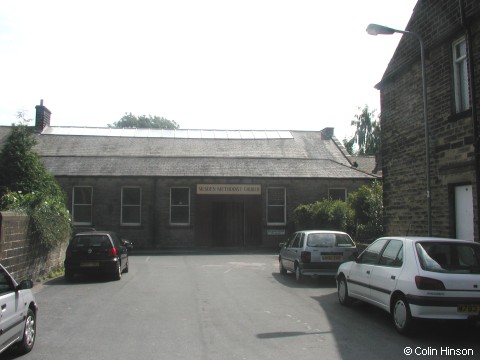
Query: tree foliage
(144, 122)
(324, 214)
(361, 215)
(26, 186)
(367, 204)
(367, 137)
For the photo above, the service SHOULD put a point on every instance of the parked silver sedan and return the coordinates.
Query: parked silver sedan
(315, 252)
(19, 311)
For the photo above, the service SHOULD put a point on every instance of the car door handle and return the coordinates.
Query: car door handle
(4, 307)
(393, 277)
(368, 272)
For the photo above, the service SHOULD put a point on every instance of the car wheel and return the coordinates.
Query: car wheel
(402, 317)
(117, 275)
(126, 267)
(29, 332)
(69, 275)
(298, 274)
(283, 271)
(342, 291)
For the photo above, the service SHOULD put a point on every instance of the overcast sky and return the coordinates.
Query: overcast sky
(207, 64)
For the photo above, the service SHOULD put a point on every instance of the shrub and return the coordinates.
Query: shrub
(324, 214)
(361, 216)
(367, 204)
(26, 186)
(49, 218)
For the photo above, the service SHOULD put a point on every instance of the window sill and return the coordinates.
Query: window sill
(460, 115)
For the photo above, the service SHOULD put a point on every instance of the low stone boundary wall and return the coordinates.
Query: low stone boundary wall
(24, 257)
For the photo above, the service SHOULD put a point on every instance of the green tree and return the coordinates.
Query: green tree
(324, 214)
(26, 186)
(360, 216)
(367, 136)
(367, 204)
(144, 122)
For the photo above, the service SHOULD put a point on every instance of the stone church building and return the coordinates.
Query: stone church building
(194, 188)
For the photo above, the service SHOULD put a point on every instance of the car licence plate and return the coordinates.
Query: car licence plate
(89, 264)
(468, 308)
(332, 257)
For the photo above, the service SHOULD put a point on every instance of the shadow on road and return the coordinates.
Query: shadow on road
(80, 279)
(359, 323)
(308, 282)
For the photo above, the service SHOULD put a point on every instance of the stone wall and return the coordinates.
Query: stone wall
(452, 150)
(24, 257)
(156, 231)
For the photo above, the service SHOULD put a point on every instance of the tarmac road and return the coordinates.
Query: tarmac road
(222, 306)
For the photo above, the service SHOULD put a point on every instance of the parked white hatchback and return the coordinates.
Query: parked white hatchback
(415, 277)
(315, 253)
(19, 311)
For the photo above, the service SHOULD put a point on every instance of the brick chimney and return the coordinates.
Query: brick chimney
(42, 117)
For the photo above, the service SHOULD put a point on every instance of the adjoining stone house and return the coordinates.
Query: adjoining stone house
(451, 35)
(194, 188)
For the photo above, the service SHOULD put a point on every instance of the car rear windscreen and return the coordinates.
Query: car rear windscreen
(329, 240)
(91, 241)
(449, 257)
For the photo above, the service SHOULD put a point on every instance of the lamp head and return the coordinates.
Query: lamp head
(375, 29)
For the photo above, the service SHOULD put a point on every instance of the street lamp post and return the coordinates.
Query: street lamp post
(375, 29)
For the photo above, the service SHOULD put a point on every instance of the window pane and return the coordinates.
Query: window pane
(372, 252)
(337, 194)
(179, 215)
(180, 205)
(276, 205)
(131, 215)
(131, 196)
(276, 196)
(449, 257)
(82, 195)
(82, 214)
(276, 214)
(82, 204)
(461, 49)
(391, 252)
(462, 98)
(180, 196)
(465, 101)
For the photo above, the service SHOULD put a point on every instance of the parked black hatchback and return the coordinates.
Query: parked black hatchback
(97, 252)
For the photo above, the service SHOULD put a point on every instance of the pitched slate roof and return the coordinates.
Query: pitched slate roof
(294, 154)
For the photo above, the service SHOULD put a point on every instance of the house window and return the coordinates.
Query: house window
(337, 194)
(460, 75)
(276, 200)
(180, 206)
(131, 206)
(82, 205)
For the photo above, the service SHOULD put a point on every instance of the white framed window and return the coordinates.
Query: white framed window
(337, 194)
(276, 205)
(180, 206)
(131, 211)
(82, 198)
(460, 75)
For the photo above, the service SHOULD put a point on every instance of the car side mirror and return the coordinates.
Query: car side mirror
(127, 243)
(25, 284)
